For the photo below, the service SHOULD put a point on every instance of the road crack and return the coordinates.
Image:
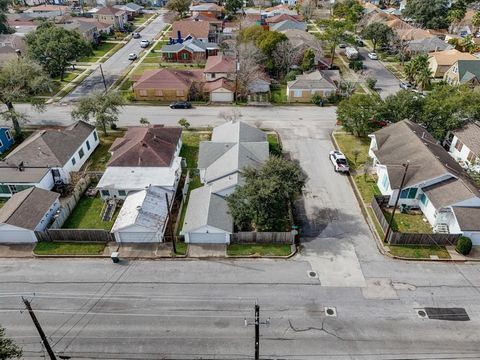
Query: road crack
(313, 328)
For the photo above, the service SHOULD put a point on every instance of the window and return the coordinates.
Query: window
(297, 93)
(408, 193)
(213, 75)
(74, 161)
(179, 92)
(105, 193)
(471, 157)
(95, 135)
(385, 182)
(169, 56)
(8, 135)
(122, 193)
(143, 92)
(4, 189)
(159, 92)
(424, 199)
(81, 153)
(458, 145)
(184, 56)
(88, 145)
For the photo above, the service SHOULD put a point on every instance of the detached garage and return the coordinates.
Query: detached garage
(143, 216)
(468, 220)
(207, 220)
(25, 212)
(220, 90)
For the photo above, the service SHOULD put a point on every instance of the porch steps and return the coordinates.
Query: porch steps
(109, 209)
(441, 229)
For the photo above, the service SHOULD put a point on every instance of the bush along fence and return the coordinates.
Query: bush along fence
(400, 238)
(253, 237)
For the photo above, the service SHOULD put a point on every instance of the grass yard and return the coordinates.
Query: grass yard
(2, 202)
(274, 144)
(181, 248)
(349, 144)
(68, 248)
(367, 185)
(190, 143)
(408, 223)
(87, 215)
(377, 225)
(145, 66)
(419, 251)
(99, 158)
(279, 95)
(258, 249)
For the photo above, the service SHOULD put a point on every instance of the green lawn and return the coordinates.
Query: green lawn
(68, 248)
(349, 145)
(190, 144)
(258, 249)
(419, 251)
(99, 158)
(101, 50)
(87, 215)
(279, 95)
(367, 185)
(181, 248)
(2, 202)
(274, 144)
(144, 66)
(408, 223)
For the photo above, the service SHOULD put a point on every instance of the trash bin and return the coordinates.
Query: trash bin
(114, 257)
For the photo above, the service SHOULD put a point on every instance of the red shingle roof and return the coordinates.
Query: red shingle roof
(168, 79)
(146, 146)
(197, 29)
(218, 84)
(282, 17)
(109, 10)
(220, 64)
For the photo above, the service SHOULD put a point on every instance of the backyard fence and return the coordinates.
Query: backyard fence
(400, 238)
(74, 235)
(69, 203)
(262, 237)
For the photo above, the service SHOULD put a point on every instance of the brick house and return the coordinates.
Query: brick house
(190, 51)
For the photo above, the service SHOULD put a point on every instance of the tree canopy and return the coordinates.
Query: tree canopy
(334, 33)
(263, 202)
(103, 107)
(55, 48)
(8, 348)
(4, 28)
(358, 114)
(267, 42)
(21, 80)
(378, 33)
(251, 33)
(349, 10)
(428, 13)
(232, 6)
(181, 7)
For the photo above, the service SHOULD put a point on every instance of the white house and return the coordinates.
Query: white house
(464, 146)
(144, 216)
(207, 219)
(25, 212)
(47, 157)
(434, 182)
(145, 156)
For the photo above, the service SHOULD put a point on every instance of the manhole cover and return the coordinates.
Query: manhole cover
(330, 311)
(312, 274)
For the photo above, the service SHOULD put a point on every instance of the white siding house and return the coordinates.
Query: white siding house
(464, 146)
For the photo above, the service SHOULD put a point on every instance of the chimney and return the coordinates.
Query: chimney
(179, 36)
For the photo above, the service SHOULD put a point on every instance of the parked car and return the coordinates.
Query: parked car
(144, 43)
(342, 46)
(136, 35)
(339, 161)
(373, 56)
(405, 86)
(132, 56)
(181, 105)
(360, 43)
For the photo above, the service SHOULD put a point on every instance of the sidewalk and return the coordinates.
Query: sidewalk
(139, 251)
(16, 250)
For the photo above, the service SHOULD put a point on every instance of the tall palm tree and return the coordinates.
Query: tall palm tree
(409, 70)
(423, 77)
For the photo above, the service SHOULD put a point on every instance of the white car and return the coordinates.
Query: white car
(144, 43)
(132, 56)
(373, 56)
(339, 161)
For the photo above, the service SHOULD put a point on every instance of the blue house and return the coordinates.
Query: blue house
(6, 139)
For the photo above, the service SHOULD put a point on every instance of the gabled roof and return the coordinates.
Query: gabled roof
(27, 208)
(168, 79)
(152, 146)
(220, 64)
(237, 131)
(467, 218)
(110, 10)
(197, 29)
(220, 83)
(470, 136)
(283, 17)
(468, 70)
(206, 7)
(192, 45)
(207, 209)
(146, 208)
(312, 81)
(129, 7)
(51, 147)
(450, 57)
(288, 24)
(48, 8)
(428, 45)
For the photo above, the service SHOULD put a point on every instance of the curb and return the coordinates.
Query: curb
(286, 257)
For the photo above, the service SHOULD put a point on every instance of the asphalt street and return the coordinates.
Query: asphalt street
(116, 64)
(387, 83)
(191, 309)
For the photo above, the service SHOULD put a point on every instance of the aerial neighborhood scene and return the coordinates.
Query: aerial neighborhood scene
(240, 179)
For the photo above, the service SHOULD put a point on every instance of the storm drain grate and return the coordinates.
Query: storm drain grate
(448, 314)
(312, 274)
(330, 311)
(421, 313)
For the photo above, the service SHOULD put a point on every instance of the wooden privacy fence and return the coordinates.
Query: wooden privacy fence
(74, 235)
(262, 237)
(399, 238)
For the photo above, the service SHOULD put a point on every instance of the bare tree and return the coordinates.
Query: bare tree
(285, 56)
(307, 8)
(249, 68)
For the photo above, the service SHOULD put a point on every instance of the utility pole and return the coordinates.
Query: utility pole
(396, 201)
(39, 329)
(103, 78)
(257, 324)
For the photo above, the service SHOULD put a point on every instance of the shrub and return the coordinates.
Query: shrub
(464, 245)
(113, 126)
(291, 75)
(316, 99)
(371, 82)
(356, 65)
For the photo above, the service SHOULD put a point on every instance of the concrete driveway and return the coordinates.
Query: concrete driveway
(117, 63)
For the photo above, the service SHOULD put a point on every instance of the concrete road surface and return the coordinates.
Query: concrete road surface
(116, 64)
(387, 83)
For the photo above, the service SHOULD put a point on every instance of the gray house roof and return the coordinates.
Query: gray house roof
(235, 131)
(312, 81)
(469, 135)
(428, 45)
(27, 208)
(193, 45)
(288, 24)
(50, 148)
(207, 209)
(467, 218)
